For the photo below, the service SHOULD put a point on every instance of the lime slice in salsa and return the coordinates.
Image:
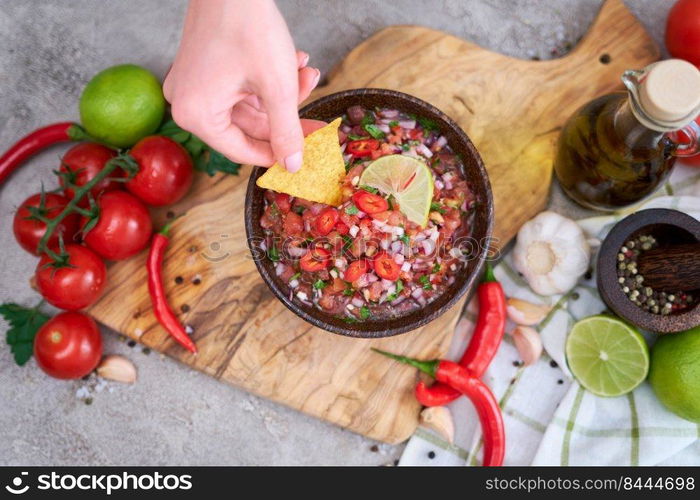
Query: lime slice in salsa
(607, 356)
(407, 179)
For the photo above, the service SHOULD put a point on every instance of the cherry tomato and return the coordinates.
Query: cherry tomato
(355, 270)
(76, 286)
(28, 232)
(326, 220)
(165, 171)
(316, 259)
(342, 228)
(68, 345)
(683, 31)
(293, 224)
(282, 202)
(362, 147)
(386, 267)
(689, 160)
(84, 161)
(370, 203)
(123, 229)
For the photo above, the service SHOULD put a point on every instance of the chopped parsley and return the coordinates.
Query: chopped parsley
(365, 313)
(320, 284)
(374, 131)
(399, 289)
(352, 209)
(404, 237)
(393, 123)
(370, 189)
(427, 124)
(436, 207)
(425, 281)
(299, 209)
(273, 254)
(354, 137)
(348, 292)
(295, 276)
(368, 119)
(436, 267)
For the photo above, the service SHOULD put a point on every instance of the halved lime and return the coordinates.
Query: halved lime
(607, 356)
(407, 179)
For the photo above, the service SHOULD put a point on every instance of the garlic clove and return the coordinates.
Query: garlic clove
(528, 343)
(522, 312)
(439, 419)
(117, 368)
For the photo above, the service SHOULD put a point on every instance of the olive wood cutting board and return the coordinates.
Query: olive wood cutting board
(512, 110)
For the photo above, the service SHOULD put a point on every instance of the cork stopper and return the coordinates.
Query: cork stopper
(670, 92)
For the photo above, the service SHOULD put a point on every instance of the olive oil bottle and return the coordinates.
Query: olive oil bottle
(619, 148)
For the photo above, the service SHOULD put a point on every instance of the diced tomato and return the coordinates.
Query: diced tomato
(293, 224)
(326, 220)
(415, 134)
(315, 260)
(370, 203)
(282, 201)
(362, 147)
(356, 269)
(386, 267)
(327, 302)
(376, 154)
(337, 286)
(375, 291)
(394, 138)
(342, 228)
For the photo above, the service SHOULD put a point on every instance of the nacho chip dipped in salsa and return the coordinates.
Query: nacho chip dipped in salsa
(321, 173)
(393, 240)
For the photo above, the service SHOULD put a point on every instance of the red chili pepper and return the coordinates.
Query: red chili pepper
(453, 375)
(487, 337)
(36, 141)
(362, 147)
(164, 313)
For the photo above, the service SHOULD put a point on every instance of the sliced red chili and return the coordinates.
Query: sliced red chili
(370, 203)
(355, 270)
(282, 201)
(316, 259)
(326, 220)
(386, 267)
(362, 147)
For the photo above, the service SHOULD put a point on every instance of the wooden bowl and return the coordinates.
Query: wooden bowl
(669, 227)
(328, 108)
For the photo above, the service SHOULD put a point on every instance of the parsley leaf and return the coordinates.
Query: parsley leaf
(351, 209)
(425, 281)
(404, 237)
(348, 292)
(436, 207)
(24, 323)
(374, 131)
(365, 313)
(273, 254)
(205, 158)
(399, 289)
(436, 267)
(320, 284)
(427, 124)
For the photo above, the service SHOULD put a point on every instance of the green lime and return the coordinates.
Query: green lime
(675, 372)
(407, 179)
(607, 356)
(121, 105)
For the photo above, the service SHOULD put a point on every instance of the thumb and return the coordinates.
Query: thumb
(286, 137)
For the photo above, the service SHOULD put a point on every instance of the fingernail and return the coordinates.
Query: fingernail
(304, 60)
(293, 162)
(317, 77)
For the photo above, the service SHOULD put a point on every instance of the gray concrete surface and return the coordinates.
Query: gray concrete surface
(174, 415)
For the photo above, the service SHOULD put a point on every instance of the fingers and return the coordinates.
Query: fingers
(233, 143)
(308, 79)
(309, 126)
(302, 59)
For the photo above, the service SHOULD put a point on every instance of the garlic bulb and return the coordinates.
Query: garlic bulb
(551, 253)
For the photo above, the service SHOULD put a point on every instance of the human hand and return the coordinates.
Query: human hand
(237, 80)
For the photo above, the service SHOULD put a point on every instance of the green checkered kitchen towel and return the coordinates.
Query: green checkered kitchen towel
(549, 418)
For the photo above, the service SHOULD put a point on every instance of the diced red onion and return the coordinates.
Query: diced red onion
(450, 280)
(357, 302)
(280, 268)
(317, 208)
(362, 281)
(421, 301)
(342, 147)
(387, 284)
(464, 206)
(448, 184)
(307, 225)
(407, 124)
(345, 129)
(389, 113)
(442, 140)
(340, 263)
(372, 278)
(439, 184)
(354, 230)
(406, 266)
(378, 223)
(399, 258)
(396, 247)
(397, 301)
(347, 158)
(302, 296)
(384, 244)
(293, 283)
(361, 214)
(418, 292)
(455, 252)
(420, 237)
(296, 251)
(384, 128)
(423, 149)
(263, 245)
(435, 234)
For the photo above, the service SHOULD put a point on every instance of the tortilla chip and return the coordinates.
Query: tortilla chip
(321, 173)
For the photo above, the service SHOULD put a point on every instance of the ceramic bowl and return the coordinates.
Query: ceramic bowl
(328, 108)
